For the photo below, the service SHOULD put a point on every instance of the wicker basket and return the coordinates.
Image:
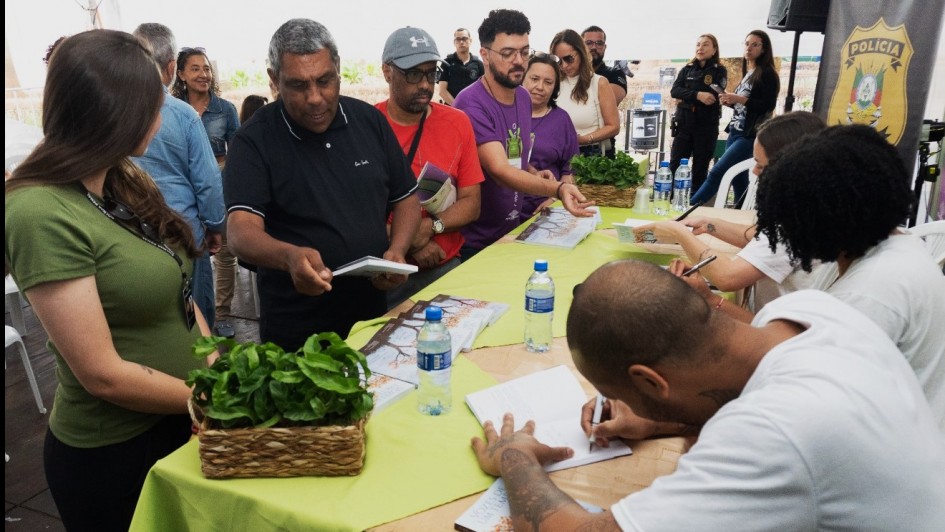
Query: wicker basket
(279, 452)
(609, 195)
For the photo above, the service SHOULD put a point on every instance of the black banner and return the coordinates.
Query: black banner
(876, 66)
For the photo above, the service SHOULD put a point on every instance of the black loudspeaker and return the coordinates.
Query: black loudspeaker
(798, 15)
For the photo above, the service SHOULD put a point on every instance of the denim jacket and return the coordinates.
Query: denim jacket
(221, 122)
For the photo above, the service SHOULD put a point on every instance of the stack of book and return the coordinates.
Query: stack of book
(392, 351)
(555, 226)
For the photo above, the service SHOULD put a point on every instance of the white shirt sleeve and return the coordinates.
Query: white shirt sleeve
(777, 265)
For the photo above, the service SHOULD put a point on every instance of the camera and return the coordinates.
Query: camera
(932, 131)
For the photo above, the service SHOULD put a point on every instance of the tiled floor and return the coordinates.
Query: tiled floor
(27, 502)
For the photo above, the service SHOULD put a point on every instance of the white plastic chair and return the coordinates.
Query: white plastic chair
(934, 235)
(726, 182)
(13, 337)
(11, 294)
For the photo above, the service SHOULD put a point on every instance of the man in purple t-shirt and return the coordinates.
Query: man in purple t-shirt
(500, 112)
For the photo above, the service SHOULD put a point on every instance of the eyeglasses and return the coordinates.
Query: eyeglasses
(535, 54)
(413, 76)
(568, 59)
(599, 44)
(507, 54)
(461, 39)
(124, 213)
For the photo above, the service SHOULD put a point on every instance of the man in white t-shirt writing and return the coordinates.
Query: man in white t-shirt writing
(809, 418)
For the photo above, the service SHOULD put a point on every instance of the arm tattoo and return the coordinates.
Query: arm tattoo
(709, 228)
(147, 369)
(721, 396)
(532, 495)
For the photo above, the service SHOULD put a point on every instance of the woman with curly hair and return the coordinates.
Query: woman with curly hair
(841, 196)
(196, 85)
(106, 265)
(586, 96)
(754, 101)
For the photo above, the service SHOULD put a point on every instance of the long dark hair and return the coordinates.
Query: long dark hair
(765, 61)
(586, 73)
(784, 130)
(103, 93)
(251, 104)
(179, 89)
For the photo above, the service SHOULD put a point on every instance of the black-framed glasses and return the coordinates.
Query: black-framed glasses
(568, 59)
(599, 44)
(507, 54)
(461, 39)
(535, 54)
(124, 213)
(413, 76)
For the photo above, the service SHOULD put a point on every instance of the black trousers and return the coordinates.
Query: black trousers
(97, 489)
(697, 143)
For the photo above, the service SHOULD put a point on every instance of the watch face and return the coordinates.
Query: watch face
(438, 226)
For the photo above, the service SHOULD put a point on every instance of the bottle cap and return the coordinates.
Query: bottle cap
(683, 162)
(434, 313)
(664, 164)
(541, 265)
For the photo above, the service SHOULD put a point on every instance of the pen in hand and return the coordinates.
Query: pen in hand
(693, 207)
(698, 266)
(598, 410)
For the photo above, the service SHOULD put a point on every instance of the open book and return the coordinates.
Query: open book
(491, 512)
(553, 398)
(435, 188)
(368, 266)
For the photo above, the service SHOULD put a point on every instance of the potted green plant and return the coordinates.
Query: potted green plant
(610, 182)
(265, 412)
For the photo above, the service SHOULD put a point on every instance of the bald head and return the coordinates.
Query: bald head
(633, 312)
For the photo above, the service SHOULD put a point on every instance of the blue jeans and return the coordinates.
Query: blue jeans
(203, 287)
(737, 149)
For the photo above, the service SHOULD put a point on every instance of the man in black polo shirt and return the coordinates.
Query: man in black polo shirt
(308, 184)
(596, 41)
(460, 69)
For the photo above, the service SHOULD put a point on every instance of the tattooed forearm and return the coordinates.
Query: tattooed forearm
(532, 495)
(147, 369)
(709, 228)
(721, 396)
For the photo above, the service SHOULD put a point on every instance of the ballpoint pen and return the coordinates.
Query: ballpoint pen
(693, 207)
(699, 265)
(598, 410)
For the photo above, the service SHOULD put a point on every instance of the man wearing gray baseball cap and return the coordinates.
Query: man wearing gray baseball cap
(438, 142)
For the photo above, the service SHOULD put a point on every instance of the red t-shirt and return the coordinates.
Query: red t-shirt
(449, 143)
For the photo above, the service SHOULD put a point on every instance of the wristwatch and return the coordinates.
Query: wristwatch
(438, 226)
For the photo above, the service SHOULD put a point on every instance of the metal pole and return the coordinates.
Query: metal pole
(789, 101)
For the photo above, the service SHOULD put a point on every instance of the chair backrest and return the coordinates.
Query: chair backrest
(748, 204)
(934, 235)
(727, 181)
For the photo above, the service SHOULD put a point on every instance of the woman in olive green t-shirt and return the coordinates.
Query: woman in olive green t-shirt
(106, 265)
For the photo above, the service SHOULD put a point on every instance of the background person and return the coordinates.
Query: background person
(197, 86)
(309, 182)
(596, 41)
(585, 96)
(460, 69)
(180, 161)
(555, 138)
(696, 121)
(106, 265)
(798, 412)
(753, 100)
(497, 107)
(445, 139)
(840, 196)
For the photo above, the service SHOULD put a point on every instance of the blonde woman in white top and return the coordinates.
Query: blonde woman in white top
(587, 97)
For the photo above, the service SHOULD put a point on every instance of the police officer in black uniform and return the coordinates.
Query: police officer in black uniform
(695, 125)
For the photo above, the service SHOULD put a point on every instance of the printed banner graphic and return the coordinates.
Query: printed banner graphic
(872, 88)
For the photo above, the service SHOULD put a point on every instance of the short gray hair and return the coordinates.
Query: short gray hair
(301, 36)
(161, 39)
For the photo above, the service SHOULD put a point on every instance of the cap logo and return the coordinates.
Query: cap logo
(415, 41)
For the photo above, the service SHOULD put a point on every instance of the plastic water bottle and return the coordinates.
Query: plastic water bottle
(682, 186)
(434, 358)
(662, 189)
(539, 308)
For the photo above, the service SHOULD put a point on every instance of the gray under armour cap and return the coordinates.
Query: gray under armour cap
(409, 47)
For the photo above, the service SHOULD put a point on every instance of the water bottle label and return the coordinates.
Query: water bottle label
(539, 305)
(434, 361)
(662, 186)
(681, 183)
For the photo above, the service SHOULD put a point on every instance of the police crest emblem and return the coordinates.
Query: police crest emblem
(871, 89)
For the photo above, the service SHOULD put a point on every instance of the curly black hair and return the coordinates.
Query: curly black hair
(503, 21)
(837, 193)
